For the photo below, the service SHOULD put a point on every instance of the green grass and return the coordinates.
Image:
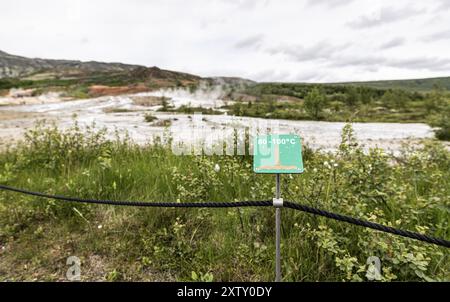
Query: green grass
(295, 111)
(191, 110)
(419, 85)
(408, 101)
(124, 243)
(149, 118)
(345, 103)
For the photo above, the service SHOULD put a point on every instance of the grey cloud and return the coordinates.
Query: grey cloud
(329, 3)
(383, 16)
(250, 42)
(321, 50)
(393, 43)
(316, 75)
(84, 40)
(443, 5)
(428, 63)
(375, 62)
(246, 4)
(360, 61)
(441, 35)
(271, 75)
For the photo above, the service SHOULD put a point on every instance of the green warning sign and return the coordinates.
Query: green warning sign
(277, 154)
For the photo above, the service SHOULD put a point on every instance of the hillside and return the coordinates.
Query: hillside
(419, 85)
(79, 79)
(37, 69)
(12, 66)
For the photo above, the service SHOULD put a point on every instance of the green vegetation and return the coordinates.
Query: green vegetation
(77, 86)
(294, 101)
(117, 110)
(109, 79)
(420, 85)
(149, 118)
(186, 109)
(410, 191)
(74, 87)
(339, 103)
(314, 103)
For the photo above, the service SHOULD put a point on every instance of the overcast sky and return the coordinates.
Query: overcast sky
(264, 40)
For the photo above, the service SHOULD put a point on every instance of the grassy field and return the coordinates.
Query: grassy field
(410, 191)
(419, 85)
(78, 86)
(346, 103)
(341, 103)
(408, 101)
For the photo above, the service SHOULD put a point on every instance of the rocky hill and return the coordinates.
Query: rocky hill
(12, 66)
(83, 79)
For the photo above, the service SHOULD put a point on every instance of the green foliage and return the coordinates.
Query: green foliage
(416, 85)
(439, 108)
(435, 101)
(187, 109)
(149, 118)
(79, 92)
(346, 102)
(395, 99)
(443, 124)
(201, 277)
(314, 103)
(332, 103)
(409, 191)
(165, 104)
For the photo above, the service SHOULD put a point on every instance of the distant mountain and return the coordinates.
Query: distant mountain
(12, 66)
(148, 73)
(419, 85)
(85, 79)
(92, 72)
(231, 81)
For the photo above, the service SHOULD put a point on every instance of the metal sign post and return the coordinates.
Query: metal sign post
(278, 154)
(278, 233)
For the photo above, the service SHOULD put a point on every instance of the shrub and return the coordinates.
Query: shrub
(150, 117)
(314, 103)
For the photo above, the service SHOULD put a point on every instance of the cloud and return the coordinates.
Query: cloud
(250, 42)
(307, 40)
(271, 75)
(371, 62)
(393, 43)
(320, 50)
(384, 16)
(329, 3)
(368, 61)
(443, 5)
(418, 63)
(245, 4)
(437, 36)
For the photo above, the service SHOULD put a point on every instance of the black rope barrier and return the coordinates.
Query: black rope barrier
(367, 224)
(263, 203)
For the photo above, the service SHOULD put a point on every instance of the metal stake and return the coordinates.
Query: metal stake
(278, 234)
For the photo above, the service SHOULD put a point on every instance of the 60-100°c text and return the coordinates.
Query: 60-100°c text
(225, 291)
